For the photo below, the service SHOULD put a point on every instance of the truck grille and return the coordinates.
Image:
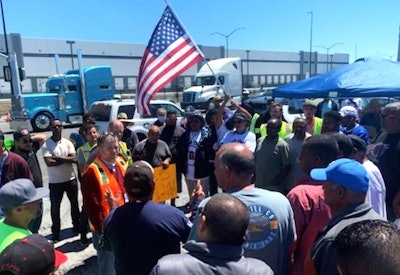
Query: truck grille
(189, 97)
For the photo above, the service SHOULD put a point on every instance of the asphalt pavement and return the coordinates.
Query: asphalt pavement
(81, 258)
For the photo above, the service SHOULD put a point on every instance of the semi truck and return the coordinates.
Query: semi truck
(67, 97)
(214, 78)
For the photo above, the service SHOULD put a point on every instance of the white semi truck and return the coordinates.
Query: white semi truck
(225, 75)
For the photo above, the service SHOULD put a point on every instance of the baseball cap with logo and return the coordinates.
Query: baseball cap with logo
(31, 255)
(20, 133)
(20, 191)
(345, 172)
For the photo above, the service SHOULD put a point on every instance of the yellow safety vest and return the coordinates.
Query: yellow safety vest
(286, 129)
(124, 154)
(317, 126)
(252, 127)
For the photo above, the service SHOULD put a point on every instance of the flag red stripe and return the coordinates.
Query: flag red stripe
(155, 64)
(174, 69)
(160, 69)
(165, 66)
(169, 53)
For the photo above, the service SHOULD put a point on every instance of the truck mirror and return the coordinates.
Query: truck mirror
(7, 73)
(22, 75)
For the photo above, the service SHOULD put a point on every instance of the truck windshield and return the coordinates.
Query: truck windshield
(54, 85)
(204, 80)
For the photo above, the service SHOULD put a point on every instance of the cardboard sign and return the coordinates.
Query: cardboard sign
(165, 183)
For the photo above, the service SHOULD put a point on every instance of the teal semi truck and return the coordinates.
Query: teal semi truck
(67, 97)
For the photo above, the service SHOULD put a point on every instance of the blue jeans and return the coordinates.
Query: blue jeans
(105, 259)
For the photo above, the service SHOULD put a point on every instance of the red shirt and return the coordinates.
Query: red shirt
(311, 214)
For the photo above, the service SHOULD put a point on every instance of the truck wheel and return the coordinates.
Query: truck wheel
(41, 121)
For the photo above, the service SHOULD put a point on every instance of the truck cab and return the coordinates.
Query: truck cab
(66, 97)
(225, 75)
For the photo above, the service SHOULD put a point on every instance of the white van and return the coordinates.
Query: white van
(106, 111)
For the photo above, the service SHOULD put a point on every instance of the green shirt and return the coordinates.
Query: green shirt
(8, 234)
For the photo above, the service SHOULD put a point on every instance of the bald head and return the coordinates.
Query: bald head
(234, 166)
(117, 128)
(153, 134)
(218, 214)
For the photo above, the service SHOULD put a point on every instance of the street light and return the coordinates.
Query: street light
(227, 38)
(70, 42)
(327, 52)
(247, 52)
(311, 29)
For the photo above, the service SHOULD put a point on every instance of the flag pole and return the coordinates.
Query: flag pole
(173, 12)
(179, 21)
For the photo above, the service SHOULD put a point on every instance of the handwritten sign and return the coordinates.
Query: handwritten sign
(165, 183)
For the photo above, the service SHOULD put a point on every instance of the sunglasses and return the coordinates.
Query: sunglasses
(26, 141)
(383, 116)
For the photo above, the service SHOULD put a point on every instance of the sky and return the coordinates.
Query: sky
(360, 28)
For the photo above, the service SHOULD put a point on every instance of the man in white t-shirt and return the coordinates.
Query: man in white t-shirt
(59, 156)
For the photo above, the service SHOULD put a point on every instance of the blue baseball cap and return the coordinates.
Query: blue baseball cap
(345, 172)
(20, 191)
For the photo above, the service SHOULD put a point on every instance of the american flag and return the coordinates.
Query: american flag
(169, 53)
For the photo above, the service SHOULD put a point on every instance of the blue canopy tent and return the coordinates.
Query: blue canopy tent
(366, 77)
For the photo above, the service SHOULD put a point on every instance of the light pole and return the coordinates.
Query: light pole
(70, 42)
(327, 53)
(247, 52)
(6, 43)
(227, 38)
(355, 51)
(311, 29)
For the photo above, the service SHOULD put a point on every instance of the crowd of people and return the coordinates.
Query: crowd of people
(317, 196)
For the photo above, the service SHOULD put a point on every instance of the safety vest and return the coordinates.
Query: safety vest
(107, 180)
(252, 127)
(124, 154)
(85, 149)
(317, 126)
(286, 129)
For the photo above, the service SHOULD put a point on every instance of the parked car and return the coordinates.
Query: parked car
(291, 108)
(106, 111)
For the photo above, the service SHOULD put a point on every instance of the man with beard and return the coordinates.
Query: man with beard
(295, 142)
(272, 158)
(386, 155)
(26, 145)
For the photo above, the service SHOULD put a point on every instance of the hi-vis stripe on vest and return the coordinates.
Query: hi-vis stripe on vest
(103, 176)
